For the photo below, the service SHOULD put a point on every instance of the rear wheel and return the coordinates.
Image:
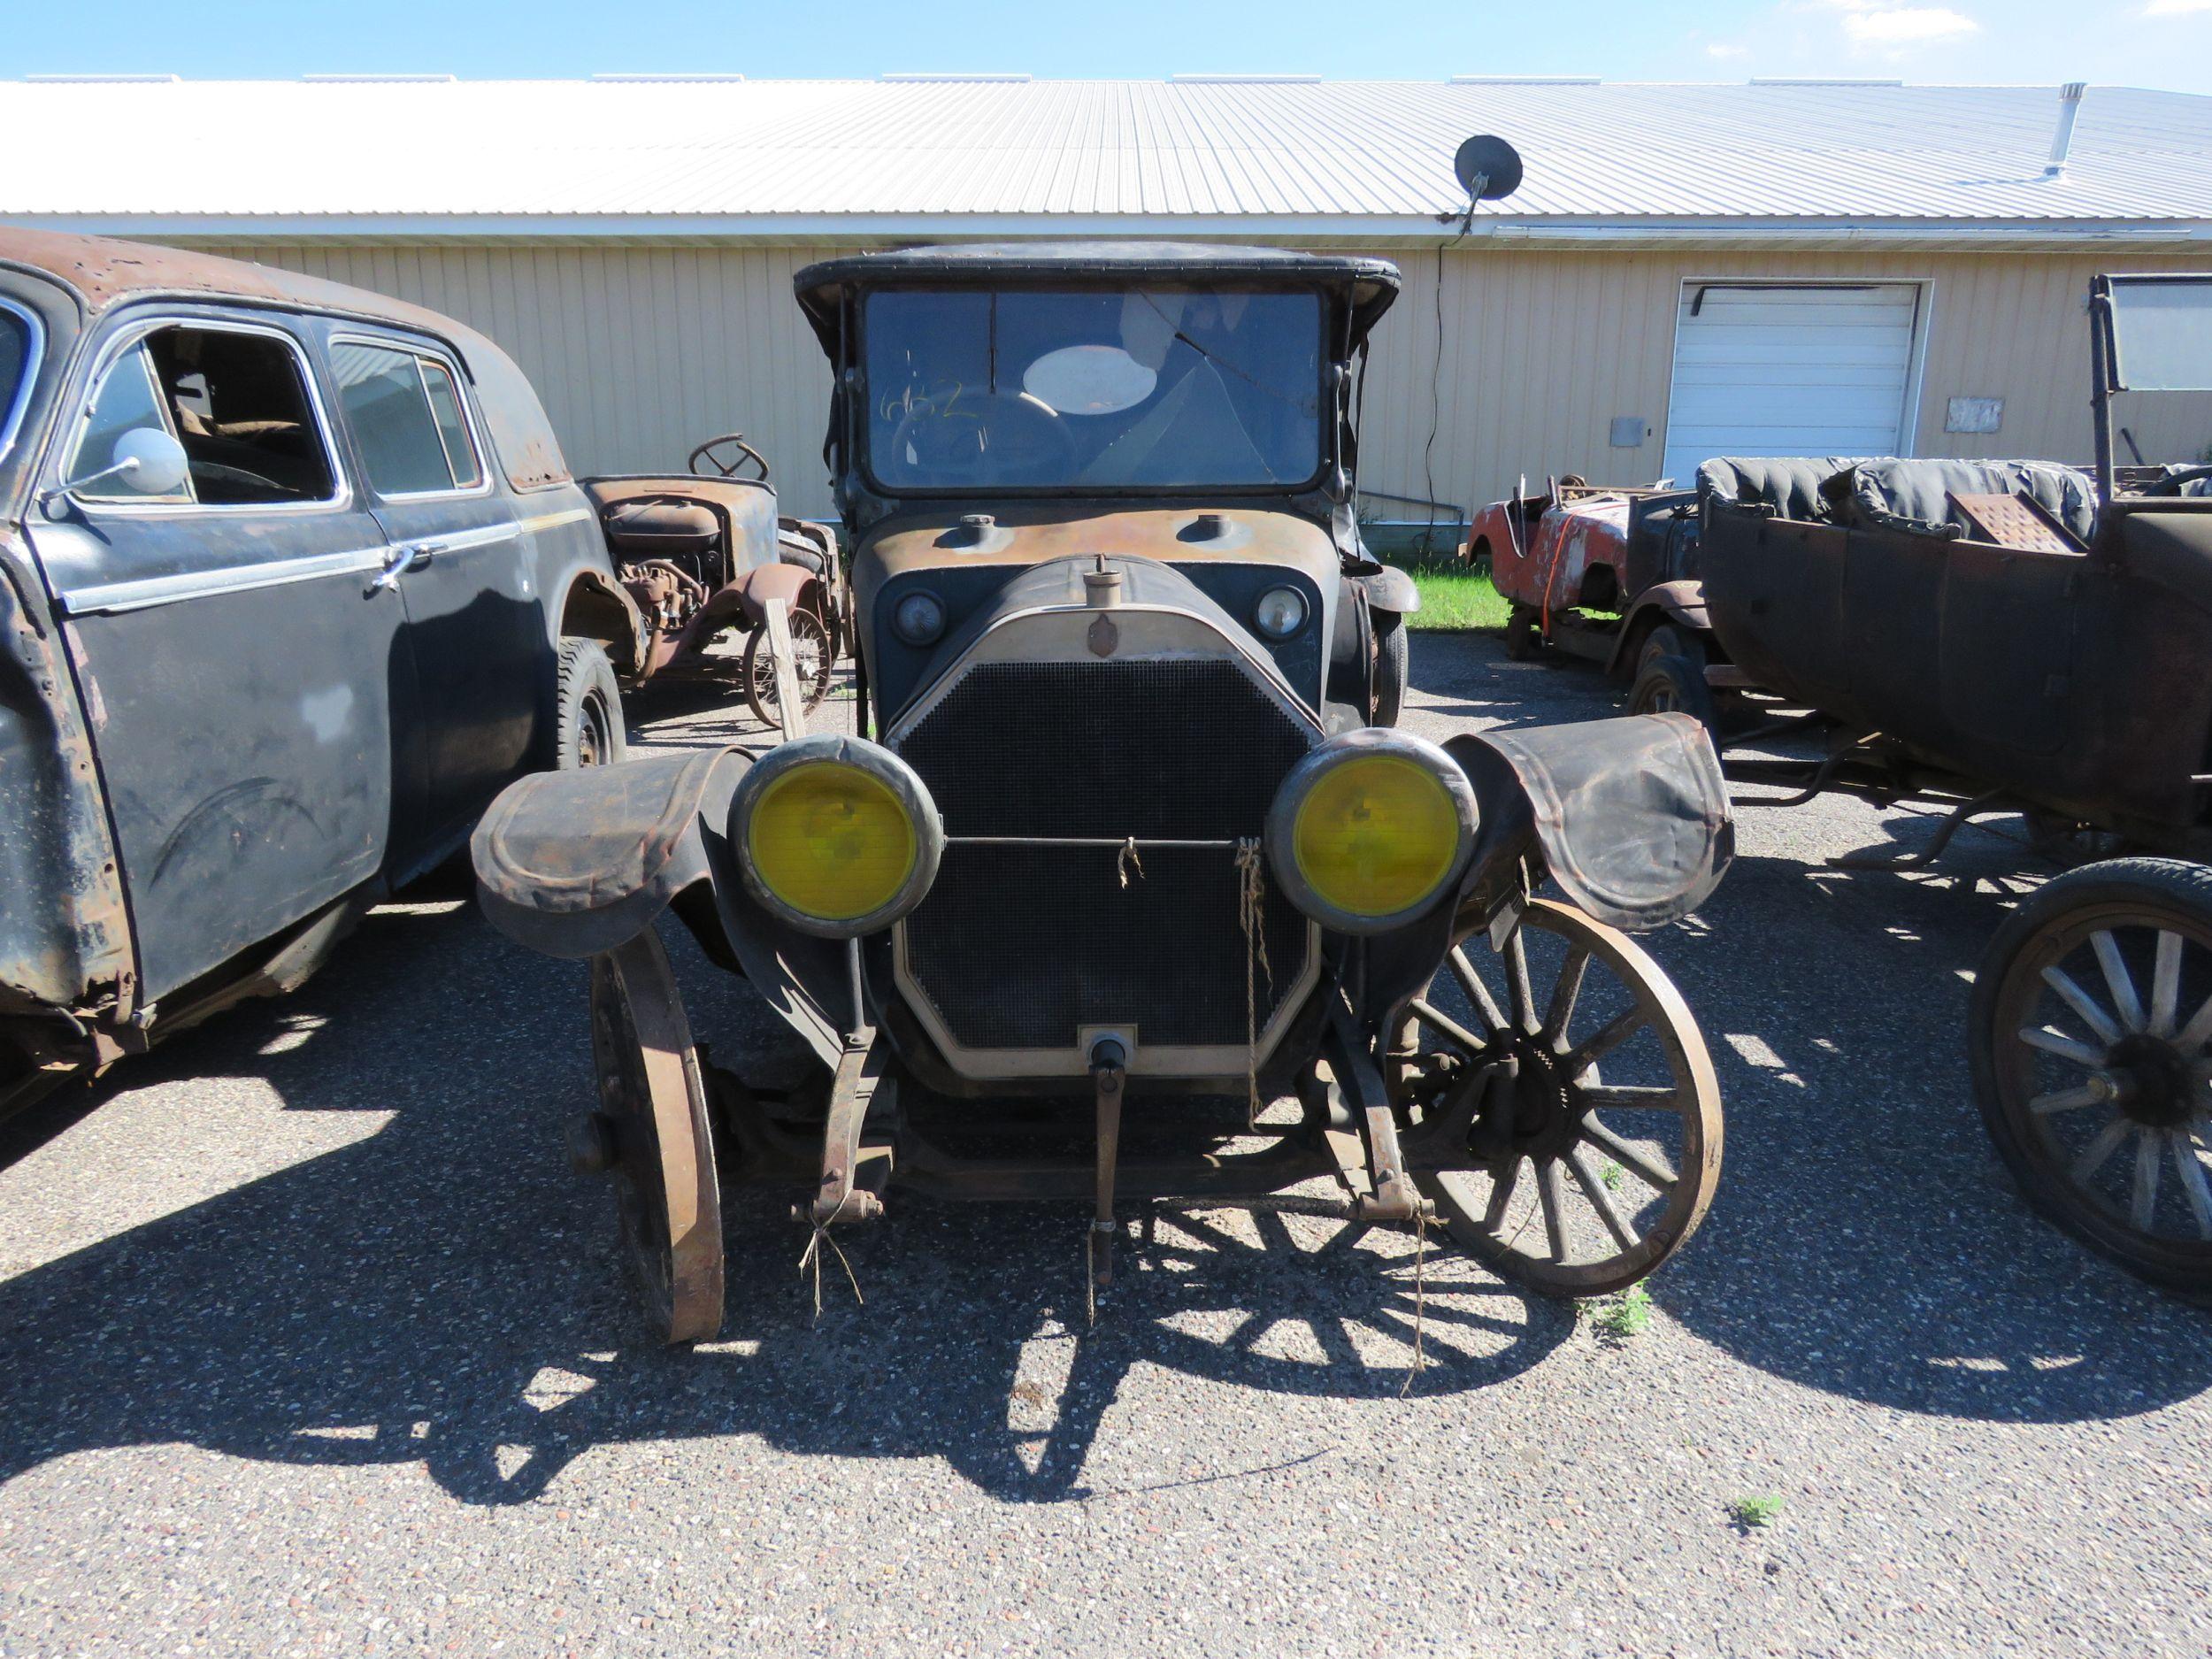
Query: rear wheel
(812, 661)
(1669, 639)
(2091, 1041)
(1393, 666)
(587, 724)
(1520, 634)
(1672, 684)
(1572, 1184)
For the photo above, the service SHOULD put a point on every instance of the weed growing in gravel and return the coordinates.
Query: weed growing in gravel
(1755, 1511)
(1611, 1175)
(1624, 1316)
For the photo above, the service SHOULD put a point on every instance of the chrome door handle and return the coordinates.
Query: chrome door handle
(395, 560)
(420, 553)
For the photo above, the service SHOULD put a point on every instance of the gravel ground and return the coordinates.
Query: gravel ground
(309, 1344)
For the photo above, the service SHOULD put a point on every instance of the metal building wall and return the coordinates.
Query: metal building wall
(639, 351)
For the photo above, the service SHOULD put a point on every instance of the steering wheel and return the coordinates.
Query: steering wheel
(2170, 484)
(727, 455)
(1002, 437)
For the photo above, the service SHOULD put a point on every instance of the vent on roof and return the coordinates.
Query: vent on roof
(1820, 80)
(677, 74)
(1525, 81)
(143, 80)
(2070, 97)
(1246, 81)
(381, 79)
(933, 75)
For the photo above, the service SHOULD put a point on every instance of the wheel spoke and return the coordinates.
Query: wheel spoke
(1551, 1189)
(1517, 982)
(1652, 1172)
(1633, 1097)
(1563, 996)
(2098, 1022)
(1602, 1201)
(2100, 1151)
(1477, 993)
(1501, 1196)
(2165, 984)
(1616, 1032)
(2065, 1100)
(2193, 1182)
(2065, 1048)
(2197, 1032)
(2144, 1210)
(1446, 1026)
(2116, 977)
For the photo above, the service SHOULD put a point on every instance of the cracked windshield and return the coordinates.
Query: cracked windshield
(1109, 391)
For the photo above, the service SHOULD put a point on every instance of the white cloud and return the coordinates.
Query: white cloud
(1727, 53)
(2176, 8)
(1885, 26)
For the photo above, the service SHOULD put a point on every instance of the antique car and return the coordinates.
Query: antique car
(703, 553)
(1125, 826)
(1994, 637)
(295, 580)
(1608, 574)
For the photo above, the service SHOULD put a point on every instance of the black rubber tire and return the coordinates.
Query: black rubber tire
(1670, 639)
(1672, 683)
(1393, 666)
(2169, 887)
(587, 729)
(1520, 634)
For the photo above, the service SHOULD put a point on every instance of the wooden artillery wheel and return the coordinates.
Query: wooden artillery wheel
(651, 1136)
(2091, 1041)
(813, 659)
(1586, 1182)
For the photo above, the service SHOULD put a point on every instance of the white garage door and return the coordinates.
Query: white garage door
(1790, 370)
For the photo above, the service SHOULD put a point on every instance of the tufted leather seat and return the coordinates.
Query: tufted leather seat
(1915, 496)
(1789, 487)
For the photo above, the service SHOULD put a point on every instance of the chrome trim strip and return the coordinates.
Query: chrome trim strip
(111, 598)
(554, 520)
(464, 540)
(34, 361)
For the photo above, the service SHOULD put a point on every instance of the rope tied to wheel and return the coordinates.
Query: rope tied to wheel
(1251, 901)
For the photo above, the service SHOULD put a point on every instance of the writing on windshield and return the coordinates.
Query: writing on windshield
(1144, 389)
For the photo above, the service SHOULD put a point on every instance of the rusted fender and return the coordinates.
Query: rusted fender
(1391, 589)
(1630, 817)
(576, 863)
(1682, 600)
(597, 607)
(788, 582)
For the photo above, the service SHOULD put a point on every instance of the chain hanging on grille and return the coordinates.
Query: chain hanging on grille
(1251, 911)
(1128, 859)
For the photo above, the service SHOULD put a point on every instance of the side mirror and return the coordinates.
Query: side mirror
(146, 458)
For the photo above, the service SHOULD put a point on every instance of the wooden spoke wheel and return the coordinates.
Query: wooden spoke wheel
(1562, 1111)
(2092, 1048)
(813, 659)
(651, 1137)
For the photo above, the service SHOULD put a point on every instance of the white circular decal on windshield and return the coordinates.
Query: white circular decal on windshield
(1089, 381)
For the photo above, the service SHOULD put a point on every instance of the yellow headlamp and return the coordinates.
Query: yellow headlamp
(835, 835)
(1369, 829)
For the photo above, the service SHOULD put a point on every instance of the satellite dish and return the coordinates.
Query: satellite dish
(1488, 167)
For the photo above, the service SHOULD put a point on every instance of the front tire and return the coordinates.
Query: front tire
(2091, 1043)
(1393, 666)
(587, 728)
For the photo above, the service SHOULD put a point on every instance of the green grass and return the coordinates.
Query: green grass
(1626, 1316)
(1760, 1511)
(1453, 596)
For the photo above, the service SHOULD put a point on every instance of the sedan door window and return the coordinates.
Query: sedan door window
(236, 399)
(406, 415)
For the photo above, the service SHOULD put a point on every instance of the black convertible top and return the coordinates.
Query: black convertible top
(1368, 285)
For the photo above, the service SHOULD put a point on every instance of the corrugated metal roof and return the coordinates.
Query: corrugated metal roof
(1363, 155)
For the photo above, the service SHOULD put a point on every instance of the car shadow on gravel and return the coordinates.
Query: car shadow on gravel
(1865, 1240)
(444, 1291)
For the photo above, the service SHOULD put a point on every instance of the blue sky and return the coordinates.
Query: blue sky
(2141, 42)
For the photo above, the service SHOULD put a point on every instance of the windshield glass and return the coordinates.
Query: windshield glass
(1130, 390)
(2164, 331)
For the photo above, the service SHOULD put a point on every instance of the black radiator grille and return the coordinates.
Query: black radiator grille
(1019, 946)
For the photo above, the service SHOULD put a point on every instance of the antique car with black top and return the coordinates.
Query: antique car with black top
(293, 580)
(2017, 637)
(1121, 821)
